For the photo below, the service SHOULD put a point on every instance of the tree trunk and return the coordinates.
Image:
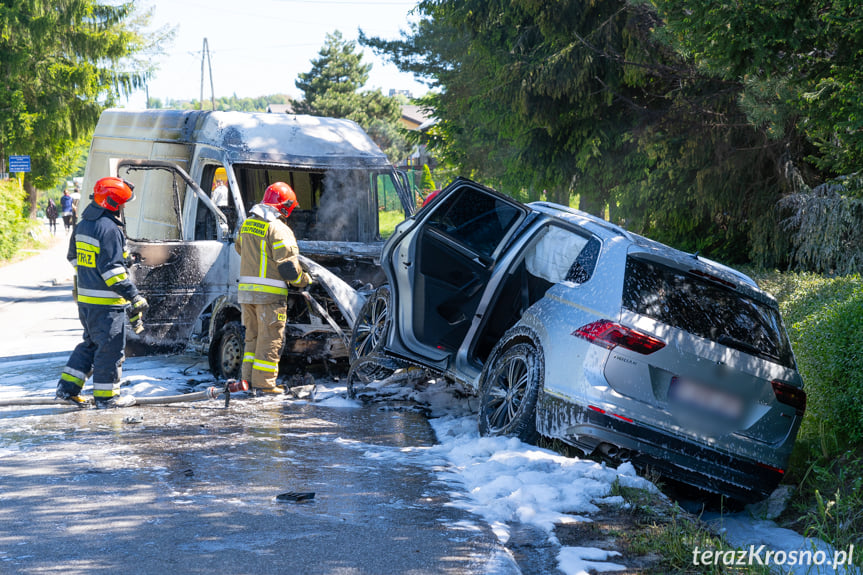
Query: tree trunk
(558, 196)
(592, 205)
(31, 196)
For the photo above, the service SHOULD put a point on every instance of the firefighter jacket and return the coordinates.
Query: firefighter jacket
(269, 257)
(97, 249)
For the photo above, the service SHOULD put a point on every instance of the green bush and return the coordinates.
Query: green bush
(426, 182)
(13, 203)
(828, 337)
(824, 318)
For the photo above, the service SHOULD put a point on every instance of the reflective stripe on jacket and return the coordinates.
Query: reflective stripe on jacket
(265, 243)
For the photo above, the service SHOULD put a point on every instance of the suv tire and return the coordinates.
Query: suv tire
(370, 329)
(509, 386)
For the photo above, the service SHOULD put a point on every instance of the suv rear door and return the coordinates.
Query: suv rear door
(439, 268)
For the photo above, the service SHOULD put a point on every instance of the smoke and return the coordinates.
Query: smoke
(344, 198)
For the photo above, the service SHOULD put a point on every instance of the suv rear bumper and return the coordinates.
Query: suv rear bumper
(672, 456)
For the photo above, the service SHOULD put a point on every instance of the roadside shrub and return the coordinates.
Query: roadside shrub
(13, 203)
(824, 318)
(826, 327)
(426, 182)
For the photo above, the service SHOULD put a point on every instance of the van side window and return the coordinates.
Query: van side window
(389, 206)
(156, 213)
(334, 205)
(214, 180)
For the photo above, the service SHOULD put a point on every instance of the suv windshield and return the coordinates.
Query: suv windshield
(705, 309)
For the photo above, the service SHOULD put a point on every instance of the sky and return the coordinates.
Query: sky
(258, 47)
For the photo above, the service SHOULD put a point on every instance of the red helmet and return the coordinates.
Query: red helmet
(112, 193)
(280, 196)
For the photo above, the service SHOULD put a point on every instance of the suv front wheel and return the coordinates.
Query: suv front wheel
(372, 324)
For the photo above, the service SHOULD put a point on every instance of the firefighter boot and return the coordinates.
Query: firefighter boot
(68, 391)
(114, 401)
(268, 391)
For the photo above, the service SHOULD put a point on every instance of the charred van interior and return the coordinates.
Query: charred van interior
(332, 203)
(337, 208)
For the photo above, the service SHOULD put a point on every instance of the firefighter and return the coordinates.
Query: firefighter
(269, 264)
(105, 296)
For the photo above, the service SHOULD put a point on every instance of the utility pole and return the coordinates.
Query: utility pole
(205, 54)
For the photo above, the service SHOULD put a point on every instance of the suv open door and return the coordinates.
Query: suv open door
(440, 266)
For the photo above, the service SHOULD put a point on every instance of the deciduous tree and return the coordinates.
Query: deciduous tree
(61, 63)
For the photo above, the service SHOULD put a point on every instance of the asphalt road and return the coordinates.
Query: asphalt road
(193, 490)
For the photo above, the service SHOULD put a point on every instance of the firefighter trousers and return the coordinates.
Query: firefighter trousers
(100, 354)
(265, 330)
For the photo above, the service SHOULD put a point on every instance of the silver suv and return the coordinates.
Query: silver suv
(572, 328)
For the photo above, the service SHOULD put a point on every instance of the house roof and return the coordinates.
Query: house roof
(414, 116)
(280, 109)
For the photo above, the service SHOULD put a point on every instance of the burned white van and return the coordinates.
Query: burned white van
(181, 225)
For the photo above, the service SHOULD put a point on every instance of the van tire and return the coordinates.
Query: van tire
(509, 386)
(226, 351)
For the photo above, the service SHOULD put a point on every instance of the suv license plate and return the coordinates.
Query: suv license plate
(699, 396)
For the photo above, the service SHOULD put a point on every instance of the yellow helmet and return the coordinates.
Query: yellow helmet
(221, 174)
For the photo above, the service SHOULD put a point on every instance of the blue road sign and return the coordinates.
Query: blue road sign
(19, 163)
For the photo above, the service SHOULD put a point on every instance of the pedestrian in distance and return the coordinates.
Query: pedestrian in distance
(269, 264)
(66, 208)
(105, 296)
(51, 212)
(76, 199)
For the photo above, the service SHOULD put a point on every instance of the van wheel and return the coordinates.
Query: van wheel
(370, 329)
(509, 386)
(226, 350)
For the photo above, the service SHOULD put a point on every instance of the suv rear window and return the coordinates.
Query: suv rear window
(705, 309)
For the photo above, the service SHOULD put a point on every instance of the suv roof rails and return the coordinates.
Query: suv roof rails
(548, 207)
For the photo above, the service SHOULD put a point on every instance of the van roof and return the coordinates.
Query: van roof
(304, 141)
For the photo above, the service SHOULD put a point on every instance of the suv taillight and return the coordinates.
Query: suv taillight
(790, 395)
(609, 335)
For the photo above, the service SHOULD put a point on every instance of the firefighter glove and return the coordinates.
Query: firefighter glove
(137, 309)
(302, 281)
